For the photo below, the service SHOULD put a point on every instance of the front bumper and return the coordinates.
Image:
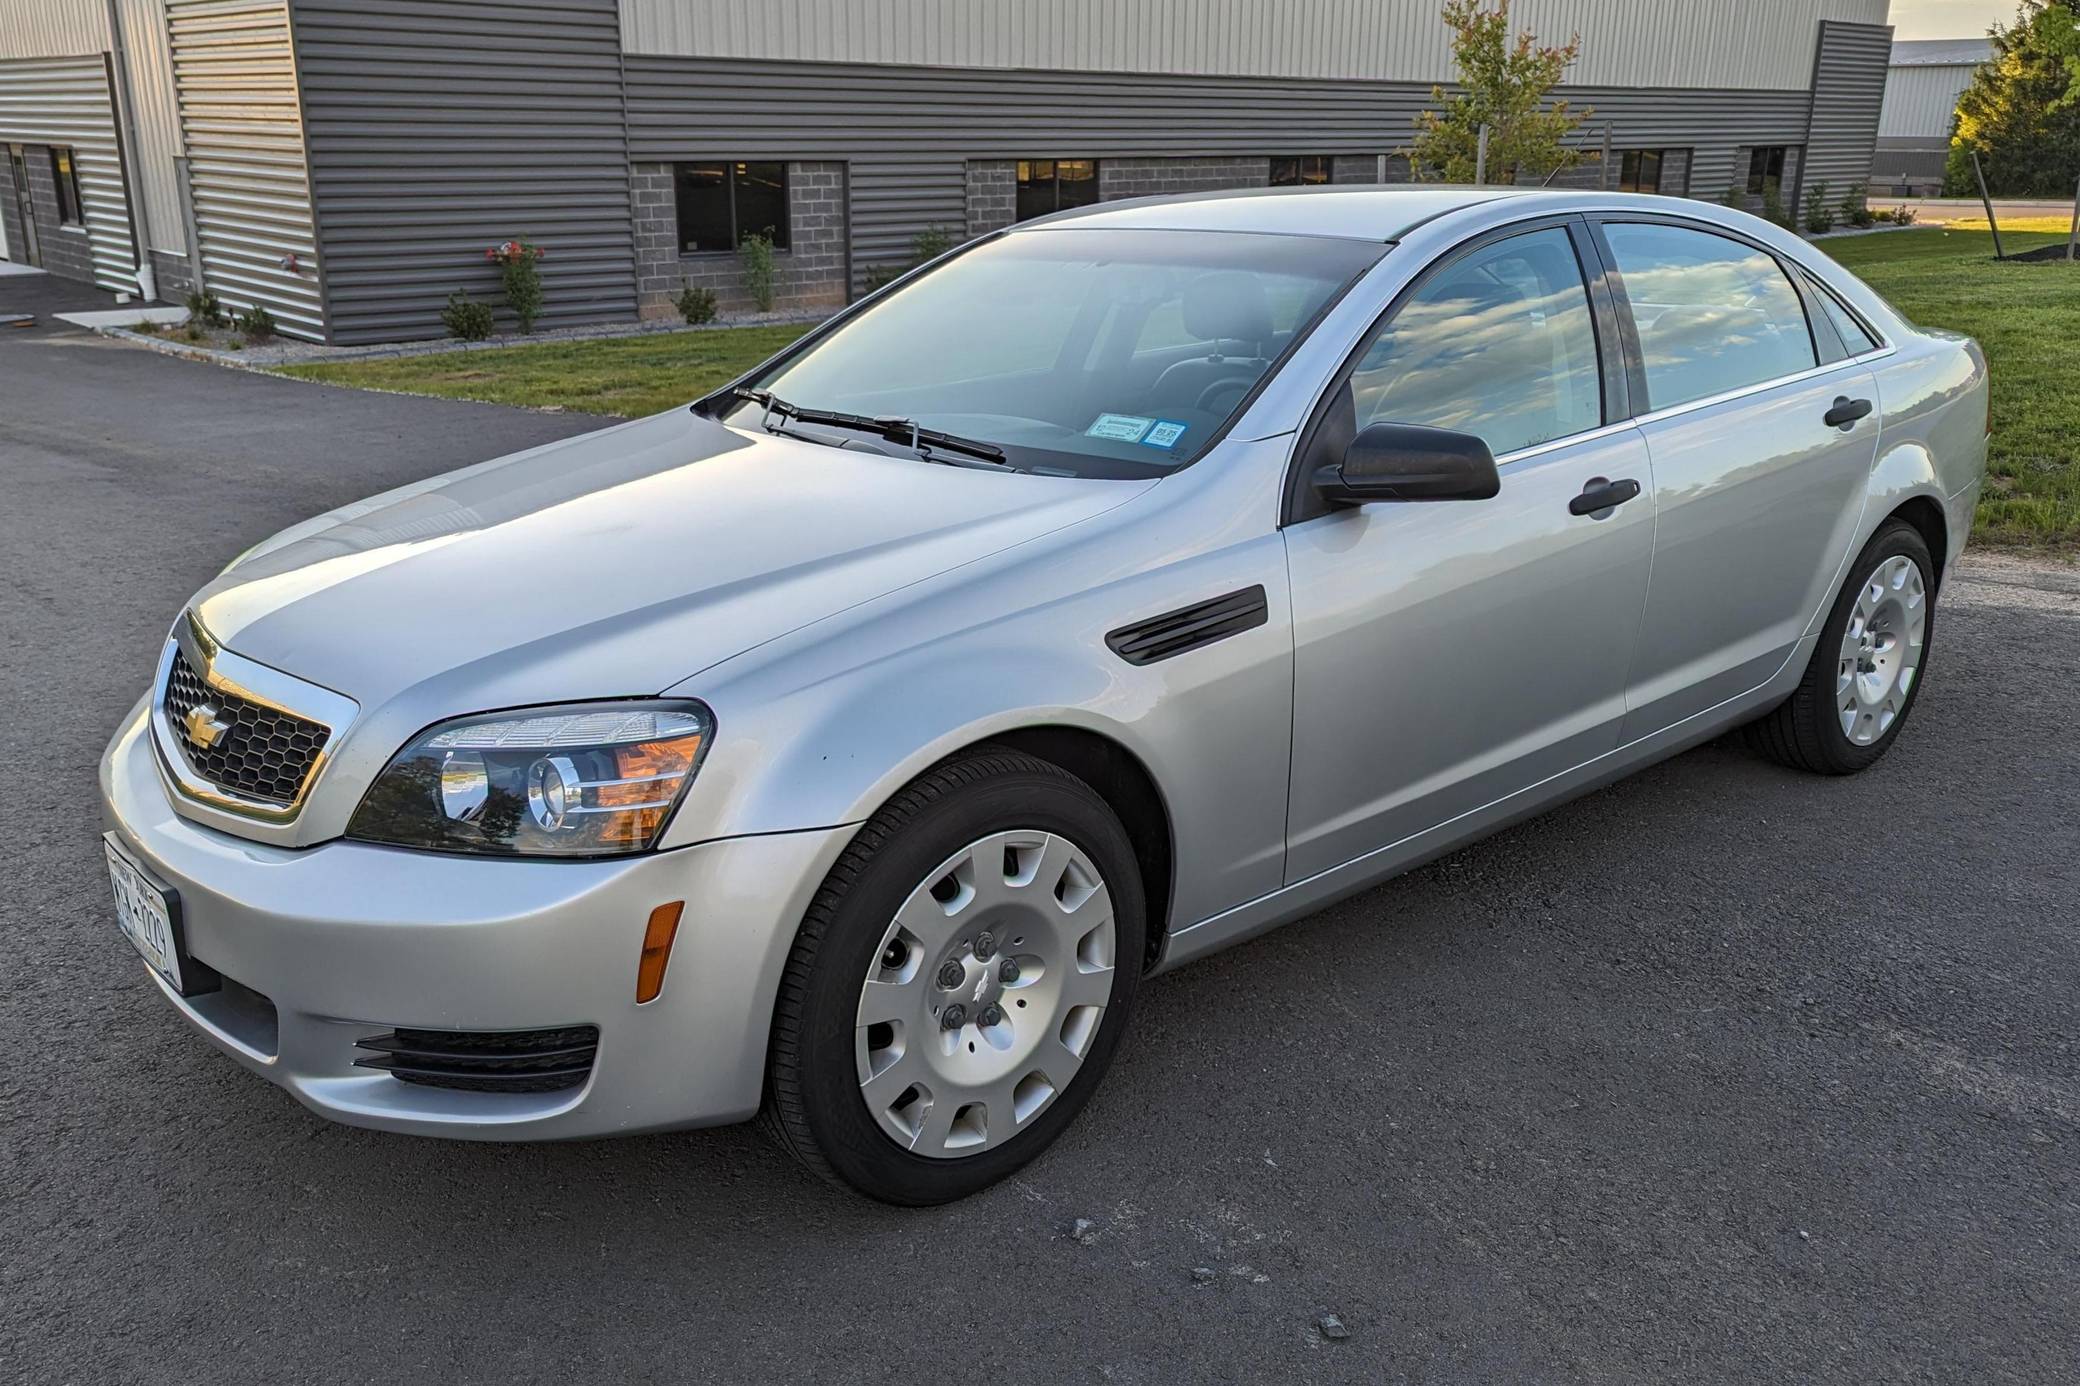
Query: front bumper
(324, 946)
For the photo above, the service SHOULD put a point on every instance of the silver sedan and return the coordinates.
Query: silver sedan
(850, 745)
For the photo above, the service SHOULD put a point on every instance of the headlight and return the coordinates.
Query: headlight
(595, 779)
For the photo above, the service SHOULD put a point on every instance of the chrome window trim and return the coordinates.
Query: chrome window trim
(1774, 382)
(257, 683)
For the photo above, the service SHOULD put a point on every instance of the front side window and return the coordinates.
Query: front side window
(65, 173)
(1088, 352)
(722, 203)
(1765, 169)
(1499, 344)
(1713, 314)
(1640, 171)
(1302, 170)
(1049, 185)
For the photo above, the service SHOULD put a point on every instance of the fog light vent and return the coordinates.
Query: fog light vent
(485, 1060)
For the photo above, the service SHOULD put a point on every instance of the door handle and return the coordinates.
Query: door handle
(1846, 412)
(1603, 494)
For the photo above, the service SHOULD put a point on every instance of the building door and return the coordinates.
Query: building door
(25, 211)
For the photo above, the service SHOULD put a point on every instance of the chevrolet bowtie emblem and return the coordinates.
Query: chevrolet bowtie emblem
(205, 725)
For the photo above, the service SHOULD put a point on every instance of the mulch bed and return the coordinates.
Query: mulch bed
(2043, 254)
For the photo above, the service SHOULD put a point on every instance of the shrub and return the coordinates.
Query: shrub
(1903, 215)
(881, 276)
(756, 252)
(518, 270)
(256, 323)
(1854, 209)
(930, 244)
(1819, 212)
(696, 305)
(466, 318)
(1735, 197)
(1773, 204)
(204, 308)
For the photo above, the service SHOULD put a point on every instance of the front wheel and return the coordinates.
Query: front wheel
(1869, 666)
(960, 982)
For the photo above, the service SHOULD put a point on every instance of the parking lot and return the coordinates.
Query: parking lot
(1721, 1074)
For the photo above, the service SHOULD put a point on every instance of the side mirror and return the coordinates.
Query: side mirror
(1406, 462)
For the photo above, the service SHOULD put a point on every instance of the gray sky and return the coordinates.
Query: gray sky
(1924, 19)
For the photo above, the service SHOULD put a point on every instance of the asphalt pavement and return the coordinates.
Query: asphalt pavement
(1725, 1073)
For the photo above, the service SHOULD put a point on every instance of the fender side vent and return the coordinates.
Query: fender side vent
(1189, 627)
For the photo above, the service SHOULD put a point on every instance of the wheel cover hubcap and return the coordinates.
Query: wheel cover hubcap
(1025, 920)
(1881, 650)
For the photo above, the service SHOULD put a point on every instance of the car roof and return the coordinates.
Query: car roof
(1367, 212)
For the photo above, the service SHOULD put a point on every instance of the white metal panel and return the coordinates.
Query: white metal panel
(1762, 44)
(234, 76)
(53, 28)
(66, 101)
(158, 142)
(1921, 102)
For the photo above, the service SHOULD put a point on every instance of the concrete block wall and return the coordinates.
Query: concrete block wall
(1119, 178)
(992, 195)
(810, 273)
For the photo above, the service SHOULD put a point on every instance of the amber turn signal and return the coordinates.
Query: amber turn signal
(657, 950)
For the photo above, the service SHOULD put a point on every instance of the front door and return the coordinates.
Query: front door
(1760, 460)
(1450, 654)
(25, 210)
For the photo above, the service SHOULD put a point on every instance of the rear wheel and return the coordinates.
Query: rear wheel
(960, 982)
(1869, 666)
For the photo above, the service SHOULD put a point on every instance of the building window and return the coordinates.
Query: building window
(721, 204)
(65, 173)
(1048, 185)
(1765, 168)
(1300, 170)
(1641, 171)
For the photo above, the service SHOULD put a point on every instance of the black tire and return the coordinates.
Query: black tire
(813, 1105)
(1803, 731)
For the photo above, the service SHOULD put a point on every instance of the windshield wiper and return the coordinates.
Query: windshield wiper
(905, 431)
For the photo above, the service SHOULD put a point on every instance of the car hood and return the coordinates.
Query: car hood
(613, 564)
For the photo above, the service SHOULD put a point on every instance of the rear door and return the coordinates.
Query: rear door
(1760, 453)
(1450, 654)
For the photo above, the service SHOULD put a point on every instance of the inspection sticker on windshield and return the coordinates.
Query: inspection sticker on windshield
(1165, 434)
(1119, 428)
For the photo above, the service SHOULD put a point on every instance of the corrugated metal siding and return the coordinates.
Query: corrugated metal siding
(1660, 43)
(157, 113)
(235, 77)
(1921, 102)
(67, 101)
(1848, 88)
(906, 133)
(53, 28)
(438, 129)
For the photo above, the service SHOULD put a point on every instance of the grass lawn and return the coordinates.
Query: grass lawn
(631, 376)
(2026, 316)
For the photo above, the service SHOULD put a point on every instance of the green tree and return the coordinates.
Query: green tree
(1504, 85)
(2022, 111)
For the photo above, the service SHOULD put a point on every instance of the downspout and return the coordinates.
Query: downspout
(140, 218)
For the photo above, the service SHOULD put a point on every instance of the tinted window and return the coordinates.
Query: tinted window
(1499, 344)
(1049, 185)
(65, 174)
(1713, 314)
(1766, 168)
(1097, 352)
(1640, 171)
(720, 204)
(1301, 170)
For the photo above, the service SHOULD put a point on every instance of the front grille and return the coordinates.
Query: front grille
(486, 1060)
(259, 752)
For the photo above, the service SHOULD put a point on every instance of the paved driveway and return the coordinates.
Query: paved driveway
(1722, 1074)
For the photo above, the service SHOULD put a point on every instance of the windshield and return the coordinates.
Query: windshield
(1110, 353)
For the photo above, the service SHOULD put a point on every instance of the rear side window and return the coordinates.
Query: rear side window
(1856, 338)
(1497, 344)
(1713, 314)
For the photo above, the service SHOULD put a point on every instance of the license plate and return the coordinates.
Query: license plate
(146, 911)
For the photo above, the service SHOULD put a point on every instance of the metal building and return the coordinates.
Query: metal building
(1922, 84)
(346, 162)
